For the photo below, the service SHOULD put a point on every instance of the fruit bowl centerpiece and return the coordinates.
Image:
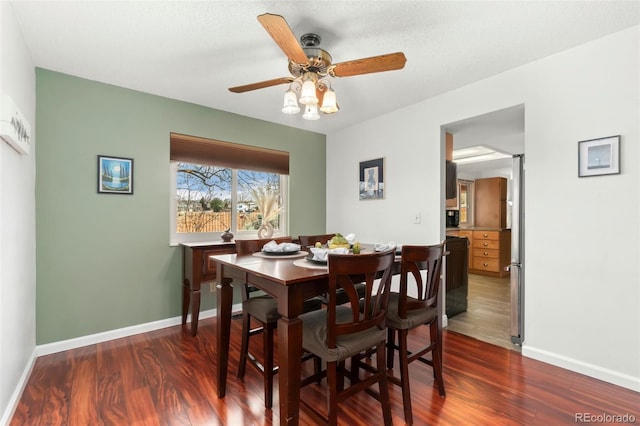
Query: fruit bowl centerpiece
(338, 241)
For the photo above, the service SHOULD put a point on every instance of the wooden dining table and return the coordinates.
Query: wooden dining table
(290, 285)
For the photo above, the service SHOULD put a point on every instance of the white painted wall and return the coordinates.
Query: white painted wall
(17, 222)
(582, 248)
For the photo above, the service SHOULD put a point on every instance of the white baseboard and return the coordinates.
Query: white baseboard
(17, 392)
(92, 339)
(604, 374)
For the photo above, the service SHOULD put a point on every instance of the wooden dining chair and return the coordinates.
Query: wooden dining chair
(264, 309)
(416, 304)
(310, 241)
(341, 332)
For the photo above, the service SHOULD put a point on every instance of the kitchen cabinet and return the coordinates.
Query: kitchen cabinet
(490, 203)
(491, 252)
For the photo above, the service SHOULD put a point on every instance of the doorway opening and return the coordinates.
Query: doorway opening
(492, 300)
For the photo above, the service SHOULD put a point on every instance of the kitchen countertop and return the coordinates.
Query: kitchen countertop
(476, 228)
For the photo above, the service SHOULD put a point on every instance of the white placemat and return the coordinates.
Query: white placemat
(282, 256)
(304, 263)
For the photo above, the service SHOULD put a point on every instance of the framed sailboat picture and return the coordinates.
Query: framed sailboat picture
(597, 157)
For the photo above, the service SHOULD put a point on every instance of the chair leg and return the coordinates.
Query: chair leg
(403, 356)
(355, 368)
(436, 353)
(383, 386)
(317, 368)
(244, 347)
(391, 342)
(332, 403)
(268, 364)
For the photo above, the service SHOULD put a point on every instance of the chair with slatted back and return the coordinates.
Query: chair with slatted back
(341, 332)
(417, 303)
(264, 309)
(310, 241)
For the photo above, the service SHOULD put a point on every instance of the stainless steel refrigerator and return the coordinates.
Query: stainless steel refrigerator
(516, 267)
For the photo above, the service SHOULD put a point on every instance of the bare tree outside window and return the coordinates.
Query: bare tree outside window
(205, 202)
(203, 198)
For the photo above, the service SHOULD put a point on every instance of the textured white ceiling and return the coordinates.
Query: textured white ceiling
(194, 51)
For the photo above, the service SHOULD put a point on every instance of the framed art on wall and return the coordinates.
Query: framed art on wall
(372, 179)
(597, 157)
(115, 175)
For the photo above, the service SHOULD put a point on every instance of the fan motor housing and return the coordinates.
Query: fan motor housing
(319, 59)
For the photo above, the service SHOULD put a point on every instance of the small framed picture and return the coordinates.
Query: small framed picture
(372, 179)
(597, 157)
(115, 175)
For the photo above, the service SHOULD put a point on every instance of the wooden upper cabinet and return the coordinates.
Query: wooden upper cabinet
(491, 202)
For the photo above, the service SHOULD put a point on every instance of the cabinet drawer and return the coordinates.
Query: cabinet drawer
(486, 235)
(486, 244)
(209, 265)
(481, 264)
(486, 253)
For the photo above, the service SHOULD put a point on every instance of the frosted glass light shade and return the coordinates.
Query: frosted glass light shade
(308, 93)
(290, 103)
(311, 112)
(329, 104)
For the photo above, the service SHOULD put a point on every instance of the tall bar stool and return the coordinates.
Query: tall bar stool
(406, 313)
(342, 332)
(311, 240)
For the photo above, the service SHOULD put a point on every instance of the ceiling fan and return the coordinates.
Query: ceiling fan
(311, 69)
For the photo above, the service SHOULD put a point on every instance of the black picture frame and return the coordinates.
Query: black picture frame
(115, 175)
(599, 157)
(371, 179)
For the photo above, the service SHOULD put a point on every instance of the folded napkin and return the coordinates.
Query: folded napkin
(273, 247)
(351, 238)
(321, 254)
(384, 247)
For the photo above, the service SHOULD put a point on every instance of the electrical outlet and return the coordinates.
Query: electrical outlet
(417, 218)
(212, 286)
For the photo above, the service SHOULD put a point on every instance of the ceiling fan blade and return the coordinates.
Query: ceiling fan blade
(388, 62)
(261, 85)
(281, 33)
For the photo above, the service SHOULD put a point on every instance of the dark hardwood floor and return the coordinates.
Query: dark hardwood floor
(165, 377)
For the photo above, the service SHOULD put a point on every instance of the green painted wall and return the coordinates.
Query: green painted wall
(104, 260)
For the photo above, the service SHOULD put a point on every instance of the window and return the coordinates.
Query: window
(209, 198)
(465, 200)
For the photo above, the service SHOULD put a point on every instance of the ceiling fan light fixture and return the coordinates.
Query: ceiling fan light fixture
(308, 91)
(329, 103)
(311, 112)
(311, 68)
(290, 102)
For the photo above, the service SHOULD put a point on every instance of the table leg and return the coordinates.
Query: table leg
(224, 300)
(290, 361)
(195, 311)
(186, 299)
